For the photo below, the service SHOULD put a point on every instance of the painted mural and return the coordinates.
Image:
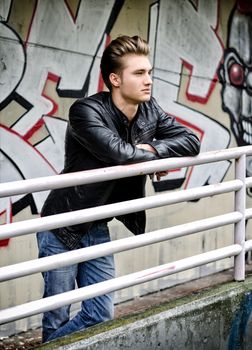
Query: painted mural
(50, 56)
(235, 75)
(50, 52)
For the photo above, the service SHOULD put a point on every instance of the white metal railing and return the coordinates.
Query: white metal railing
(237, 217)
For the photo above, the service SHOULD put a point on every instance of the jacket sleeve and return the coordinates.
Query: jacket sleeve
(89, 128)
(172, 139)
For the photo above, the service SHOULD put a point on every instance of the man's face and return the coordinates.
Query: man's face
(134, 84)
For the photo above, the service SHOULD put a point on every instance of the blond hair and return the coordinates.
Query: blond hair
(123, 45)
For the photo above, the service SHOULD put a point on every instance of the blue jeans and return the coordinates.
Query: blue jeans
(56, 323)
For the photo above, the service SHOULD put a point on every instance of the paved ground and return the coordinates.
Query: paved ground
(31, 339)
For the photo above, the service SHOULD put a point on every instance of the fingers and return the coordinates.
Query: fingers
(160, 174)
(146, 147)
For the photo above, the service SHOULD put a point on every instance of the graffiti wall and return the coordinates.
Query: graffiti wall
(201, 52)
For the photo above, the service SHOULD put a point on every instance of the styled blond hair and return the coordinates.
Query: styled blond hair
(123, 45)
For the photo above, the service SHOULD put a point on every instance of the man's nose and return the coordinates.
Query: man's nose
(148, 79)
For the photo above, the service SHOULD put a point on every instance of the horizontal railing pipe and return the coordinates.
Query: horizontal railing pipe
(248, 245)
(93, 252)
(77, 295)
(248, 181)
(116, 172)
(105, 211)
(248, 213)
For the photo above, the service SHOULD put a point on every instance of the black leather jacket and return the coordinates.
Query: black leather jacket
(99, 135)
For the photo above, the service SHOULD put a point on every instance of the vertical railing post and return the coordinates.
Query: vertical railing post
(240, 205)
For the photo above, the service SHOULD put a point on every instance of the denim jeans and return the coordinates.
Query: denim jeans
(56, 323)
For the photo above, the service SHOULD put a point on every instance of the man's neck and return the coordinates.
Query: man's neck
(128, 108)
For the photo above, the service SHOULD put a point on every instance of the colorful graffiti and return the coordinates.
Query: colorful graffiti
(236, 76)
(50, 53)
(240, 332)
(176, 49)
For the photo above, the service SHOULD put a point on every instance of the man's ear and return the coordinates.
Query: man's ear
(114, 79)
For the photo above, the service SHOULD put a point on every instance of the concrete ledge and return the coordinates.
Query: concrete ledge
(218, 318)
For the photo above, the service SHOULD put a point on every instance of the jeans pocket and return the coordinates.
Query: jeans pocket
(98, 234)
(49, 244)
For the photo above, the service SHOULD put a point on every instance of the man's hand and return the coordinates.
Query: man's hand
(159, 174)
(147, 147)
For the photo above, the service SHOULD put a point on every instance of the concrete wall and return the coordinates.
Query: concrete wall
(50, 52)
(217, 319)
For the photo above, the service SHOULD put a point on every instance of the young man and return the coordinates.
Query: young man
(122, 126)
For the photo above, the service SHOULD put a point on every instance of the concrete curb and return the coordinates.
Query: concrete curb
(210, 319)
